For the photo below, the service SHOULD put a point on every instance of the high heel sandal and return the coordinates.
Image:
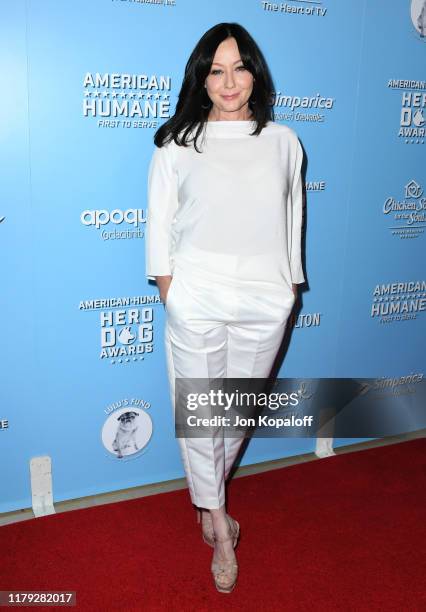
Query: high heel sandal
(208, 533)
(225, 573)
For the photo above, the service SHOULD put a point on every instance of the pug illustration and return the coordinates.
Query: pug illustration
(125, 438)
(421, 21)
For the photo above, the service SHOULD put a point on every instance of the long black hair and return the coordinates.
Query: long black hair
(193, 105)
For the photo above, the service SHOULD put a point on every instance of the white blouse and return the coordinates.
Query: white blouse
(240, 199)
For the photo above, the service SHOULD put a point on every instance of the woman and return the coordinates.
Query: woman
(223, 245)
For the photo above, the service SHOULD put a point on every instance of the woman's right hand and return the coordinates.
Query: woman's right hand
(163, 283)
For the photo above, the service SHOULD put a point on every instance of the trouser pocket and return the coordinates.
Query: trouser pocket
(170, 292)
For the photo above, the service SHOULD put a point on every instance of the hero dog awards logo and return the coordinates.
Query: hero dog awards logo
(128, 428)
(413, 108)
(126, 327)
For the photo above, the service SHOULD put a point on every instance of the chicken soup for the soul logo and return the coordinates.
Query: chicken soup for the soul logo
(399, 301)
(120, 100)
(126, 327)
(407, 215)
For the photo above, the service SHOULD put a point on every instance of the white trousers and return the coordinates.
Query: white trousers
(218, 326)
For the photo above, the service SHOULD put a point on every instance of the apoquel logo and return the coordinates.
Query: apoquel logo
(133, 216)
(99, 218)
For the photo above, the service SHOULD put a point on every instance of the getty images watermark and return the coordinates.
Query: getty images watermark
(289, 407)
(246, 400)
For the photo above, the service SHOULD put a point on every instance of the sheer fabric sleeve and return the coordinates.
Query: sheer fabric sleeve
(162, 204)
(294, 219)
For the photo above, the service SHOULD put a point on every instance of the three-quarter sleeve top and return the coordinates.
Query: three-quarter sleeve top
(240, 200)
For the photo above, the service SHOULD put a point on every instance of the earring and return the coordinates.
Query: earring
(208, 104)
(253, 100)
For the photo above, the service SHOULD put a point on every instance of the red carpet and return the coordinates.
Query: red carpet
(342, 533)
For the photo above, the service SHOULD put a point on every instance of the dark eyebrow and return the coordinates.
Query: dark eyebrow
(217, 63)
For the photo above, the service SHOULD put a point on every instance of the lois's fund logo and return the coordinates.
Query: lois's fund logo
(128, 428)
(418, 18)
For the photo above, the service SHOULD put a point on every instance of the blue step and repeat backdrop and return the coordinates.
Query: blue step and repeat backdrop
(84, 87)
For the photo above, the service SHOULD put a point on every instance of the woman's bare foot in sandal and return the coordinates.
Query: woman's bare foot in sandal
(224, 563)
(204, 517)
